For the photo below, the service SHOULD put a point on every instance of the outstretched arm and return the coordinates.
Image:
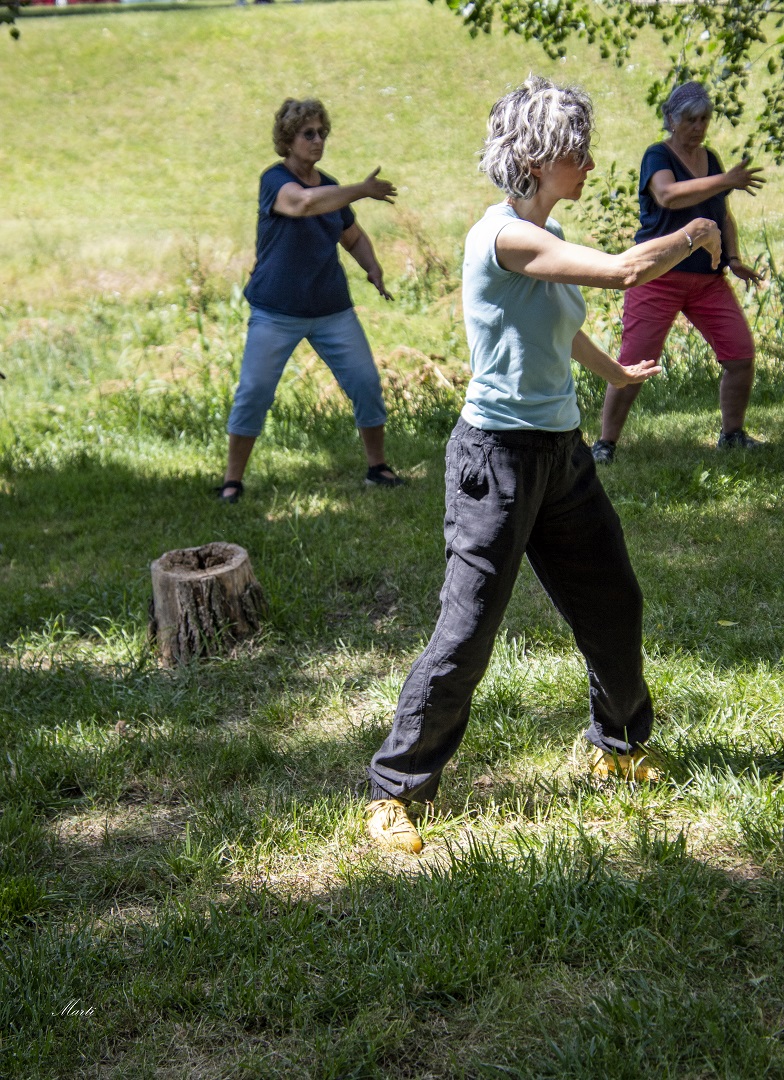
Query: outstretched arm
(675, 194)
(525, 248)
(296, 201)
(587, 353)
(357, 243)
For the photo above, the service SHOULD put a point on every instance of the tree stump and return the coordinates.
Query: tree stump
(203, 600)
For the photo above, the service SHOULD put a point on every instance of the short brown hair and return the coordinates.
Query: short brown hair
(291, 116)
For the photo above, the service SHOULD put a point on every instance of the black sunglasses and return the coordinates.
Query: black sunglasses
(311, 133)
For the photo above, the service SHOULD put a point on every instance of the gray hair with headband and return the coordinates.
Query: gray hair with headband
(686, 102)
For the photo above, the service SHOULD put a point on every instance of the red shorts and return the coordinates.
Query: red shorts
(707, 301)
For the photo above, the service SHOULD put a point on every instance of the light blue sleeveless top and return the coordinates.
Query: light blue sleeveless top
(520, 334)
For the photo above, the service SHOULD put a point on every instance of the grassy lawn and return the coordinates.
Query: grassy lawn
(186, 889)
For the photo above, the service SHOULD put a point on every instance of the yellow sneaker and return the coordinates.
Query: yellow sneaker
(635, 766)
(388, 823)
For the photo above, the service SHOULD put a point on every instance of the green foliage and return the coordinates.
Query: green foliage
(9, 12)
(723, 44)
(609, 209)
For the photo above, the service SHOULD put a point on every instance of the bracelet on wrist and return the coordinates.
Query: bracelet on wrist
(689, 240)
(733, 258)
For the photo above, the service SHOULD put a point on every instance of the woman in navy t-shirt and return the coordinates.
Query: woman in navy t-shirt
(298, 290)
(681, 178)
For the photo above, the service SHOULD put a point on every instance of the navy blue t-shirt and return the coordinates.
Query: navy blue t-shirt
(655, 220)
(297, 269)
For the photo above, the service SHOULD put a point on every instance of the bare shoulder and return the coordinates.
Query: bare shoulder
(524, 236)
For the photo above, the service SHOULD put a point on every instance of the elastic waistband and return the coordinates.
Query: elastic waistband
(520, 438)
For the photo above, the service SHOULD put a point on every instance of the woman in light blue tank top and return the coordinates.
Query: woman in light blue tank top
(520, 481)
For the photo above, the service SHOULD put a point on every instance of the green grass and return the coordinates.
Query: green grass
(135, 134)
(186, 889)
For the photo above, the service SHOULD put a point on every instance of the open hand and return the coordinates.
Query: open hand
(381, 190)
(743, 176)
(635, 373)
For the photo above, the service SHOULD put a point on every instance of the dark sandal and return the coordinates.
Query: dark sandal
(234, 486)
(375, 475)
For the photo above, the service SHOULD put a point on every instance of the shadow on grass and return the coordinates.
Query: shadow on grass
(701, 525)
(77, 736)
(731, 758)
(557, 958)
(631, 955)
(339, 561)
(329, 552)
(347, 571)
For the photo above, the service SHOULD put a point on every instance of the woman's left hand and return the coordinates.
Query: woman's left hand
(743, 176)
(378, 189)
(745, 273)
(635, 373)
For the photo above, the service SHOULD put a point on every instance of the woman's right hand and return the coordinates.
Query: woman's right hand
(705, 233)
(743, 177)
(380, 190)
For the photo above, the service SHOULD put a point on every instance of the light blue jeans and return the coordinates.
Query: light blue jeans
(340, 342)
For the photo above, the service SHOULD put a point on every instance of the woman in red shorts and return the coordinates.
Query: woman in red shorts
(681, 178)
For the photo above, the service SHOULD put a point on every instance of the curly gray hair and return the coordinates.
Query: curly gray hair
(293, 115)
(686, 102)
(537, 123)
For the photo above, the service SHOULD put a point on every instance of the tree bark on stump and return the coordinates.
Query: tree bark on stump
(203, 600)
